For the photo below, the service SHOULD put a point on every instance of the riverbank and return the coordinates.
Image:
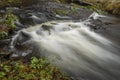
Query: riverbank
(112, 6)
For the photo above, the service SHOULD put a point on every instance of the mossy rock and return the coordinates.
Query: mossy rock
(17, 3)
(61, 12)
(7, 3)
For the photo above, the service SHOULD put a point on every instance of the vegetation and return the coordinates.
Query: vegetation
(10, 20)
(97, 9)
(17, 3)
(3, 35)
(4, 3)
(61, 12)
(112, 6)
(36, 69)
(13, 2)
(93, 7)
(7, 24)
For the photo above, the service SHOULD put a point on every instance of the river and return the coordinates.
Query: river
(75, 48)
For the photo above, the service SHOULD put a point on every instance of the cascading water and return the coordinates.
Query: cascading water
(75, 49)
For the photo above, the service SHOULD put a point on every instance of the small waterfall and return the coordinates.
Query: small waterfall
(75, 49)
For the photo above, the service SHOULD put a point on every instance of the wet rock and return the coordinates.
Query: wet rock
(5, 54)
(81, 14)
(81, 2)
(32, 18)
(36, 14)
(28, 16)
(97, 25)
(38, 17)
(4, 48)
(29, 2)
(22, 38)
(46, 27)
(26, 20)
(5, 41)
(63, 17)
(50, 16)
(19, 25)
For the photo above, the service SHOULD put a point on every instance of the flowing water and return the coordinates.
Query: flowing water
(74, 48)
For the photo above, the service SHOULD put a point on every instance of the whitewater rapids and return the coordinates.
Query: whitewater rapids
(74, 48)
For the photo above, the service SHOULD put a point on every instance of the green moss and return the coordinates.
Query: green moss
(96, 8)
(10, 20)
(61, 12)
(4, 3)
(36, 69)
(3, 35)
(7, 24)
(13, 2)
(77, 6)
